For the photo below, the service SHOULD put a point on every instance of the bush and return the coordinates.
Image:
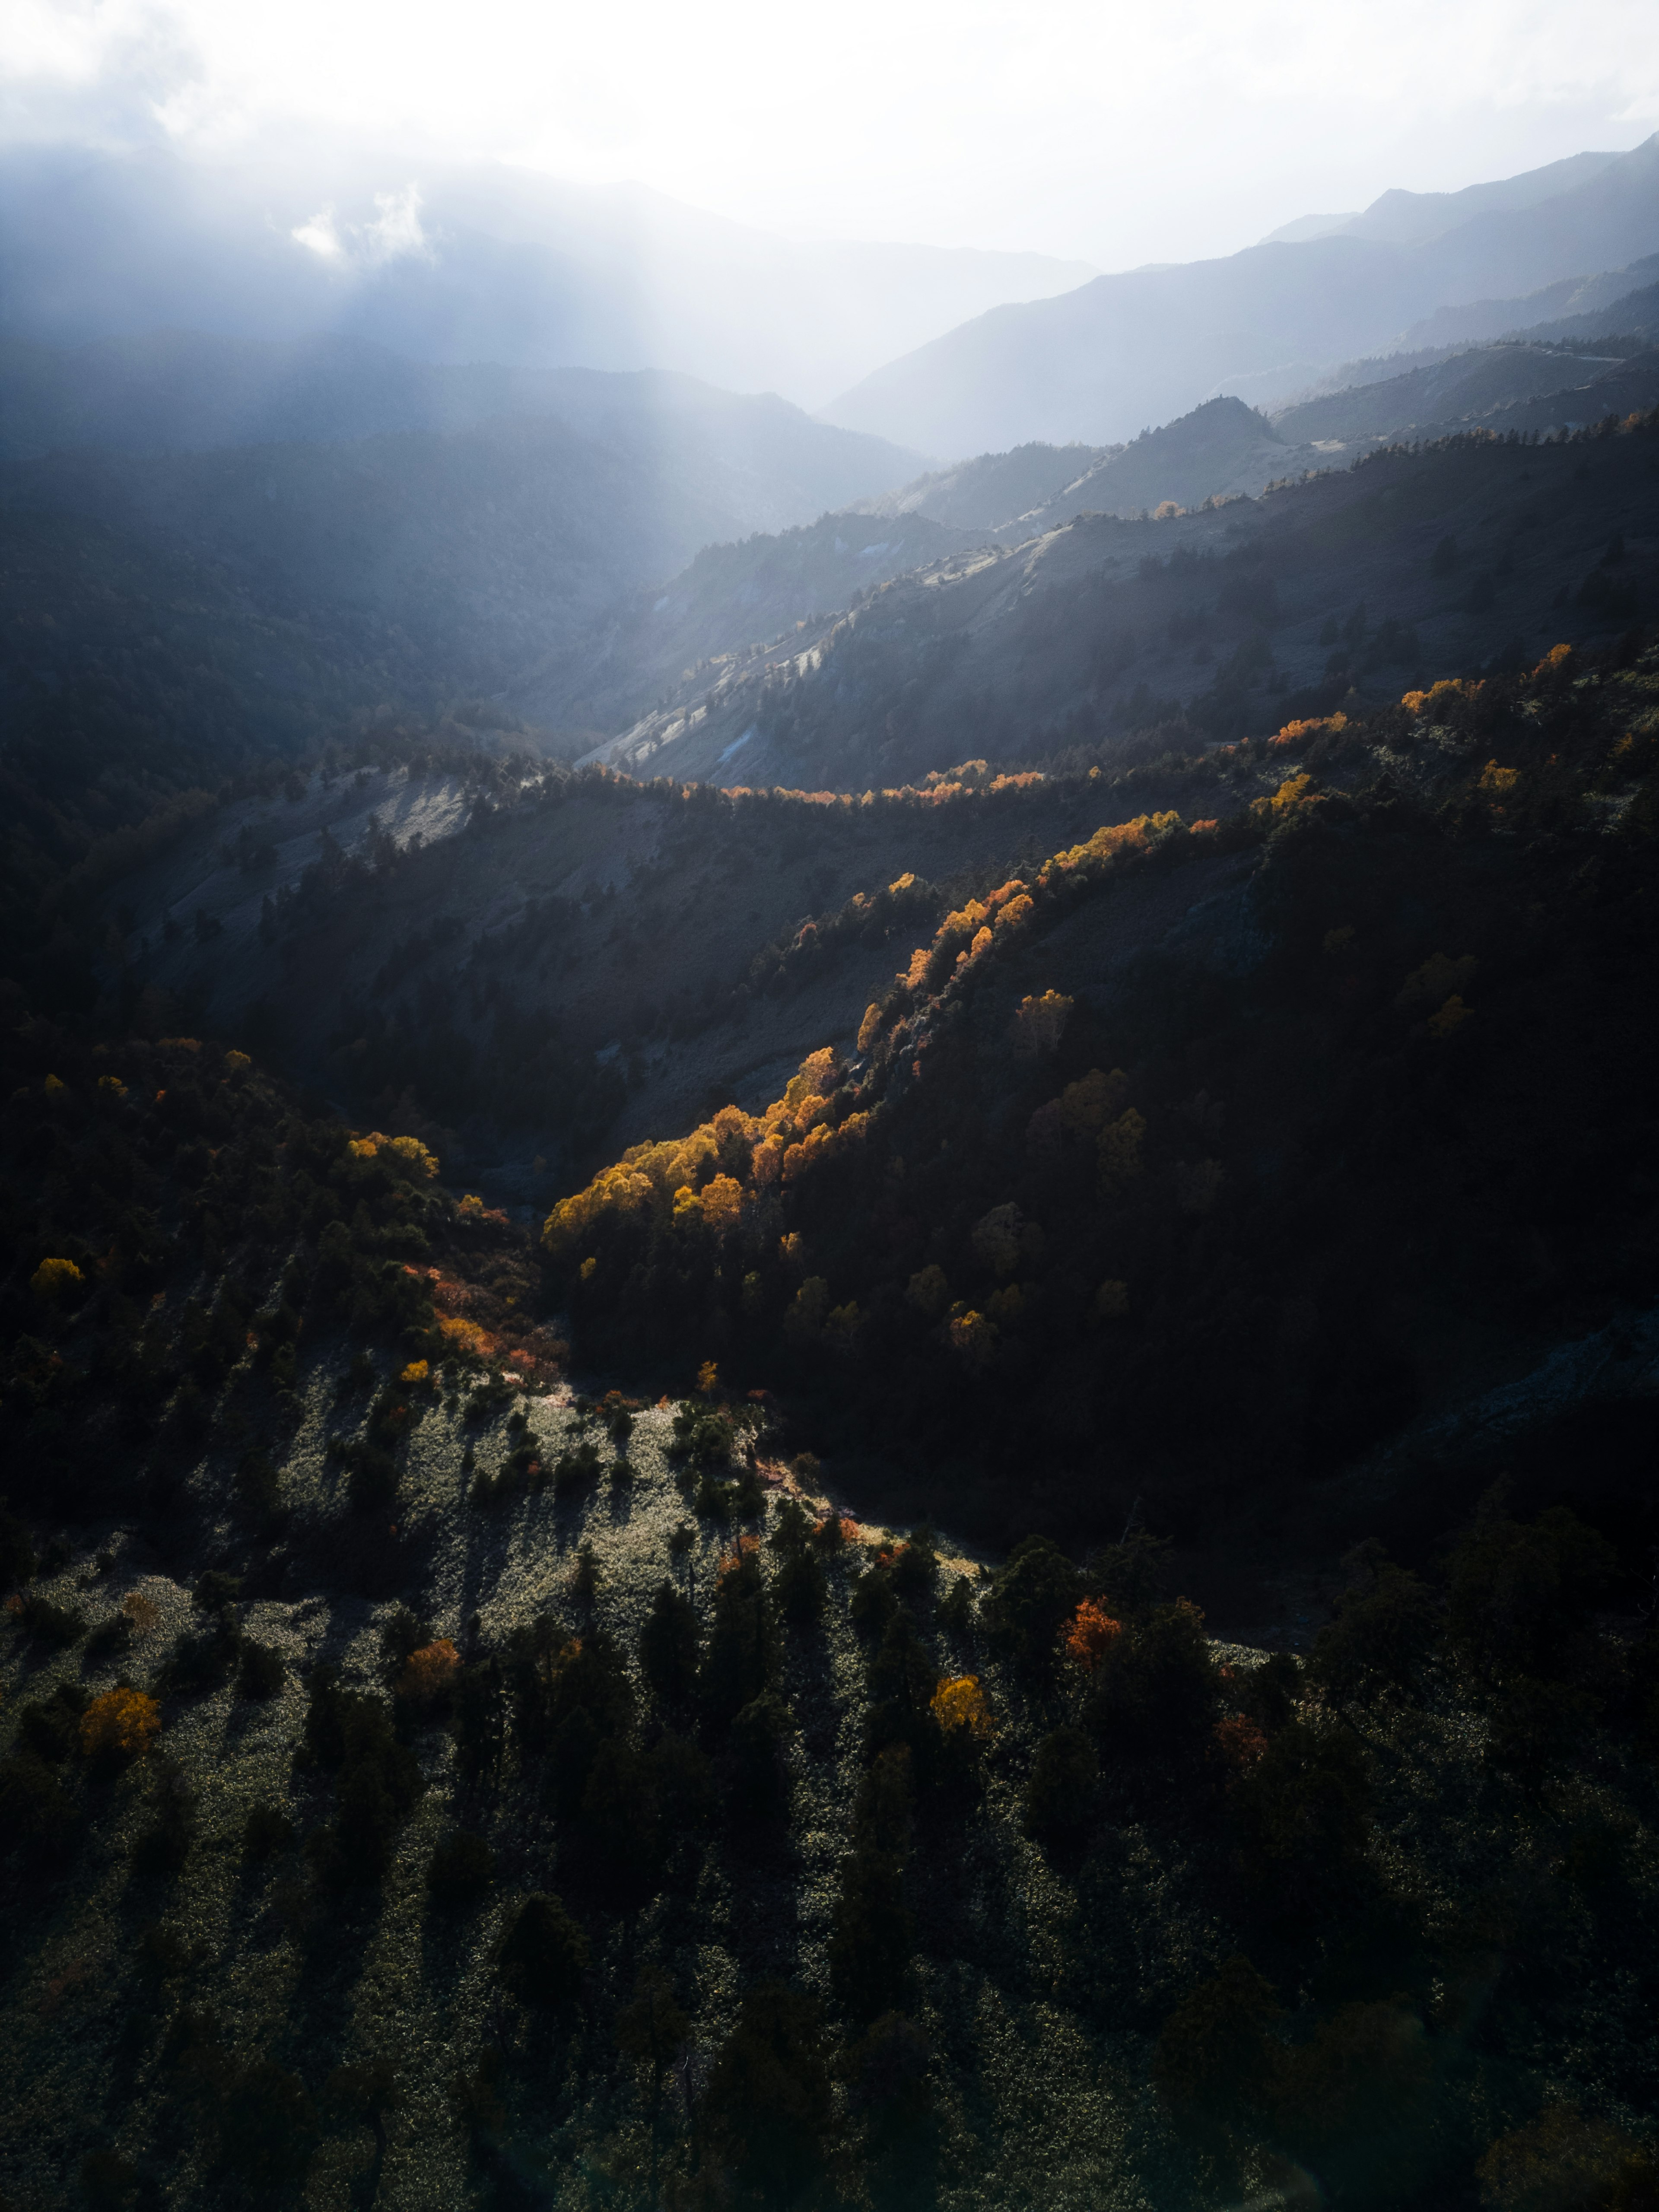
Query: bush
(58, 1625)
(759, 1732)
(1036, 1591)
(1059, 1791)
(119, 1725)
(1382, 1636)
(670, 1645)
(164, 1845)
(35, 1810)
(428, 1680)
(543, 1955)
(1155, 1686)
(799, 1588)
(50, 1727)
(267, 1833)
(461, 1867)
(768, 2105)
(262, 1670)
(1521, 1593)
(1304, 1811)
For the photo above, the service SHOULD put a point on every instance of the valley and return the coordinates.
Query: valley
(828, 1309)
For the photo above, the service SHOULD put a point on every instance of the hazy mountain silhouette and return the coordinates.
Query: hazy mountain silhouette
(468, 264)
(1099, 362)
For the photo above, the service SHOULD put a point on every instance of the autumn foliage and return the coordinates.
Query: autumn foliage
(960, 1705)
(1090, 1634)
(119, 1725)
(428, 1674)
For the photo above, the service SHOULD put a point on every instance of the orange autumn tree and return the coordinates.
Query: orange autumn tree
(1089, 1635)
(430, 1673)
(119, 1725)
(960, 1705)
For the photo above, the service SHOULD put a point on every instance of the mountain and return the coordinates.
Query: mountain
(1493, 385)
(1221, 621)
(732, 600)
(1607, 304)
(459, 265)
(994, 489)
(1097, 363)
(762, 460)
(322, 577)
(1218, 451)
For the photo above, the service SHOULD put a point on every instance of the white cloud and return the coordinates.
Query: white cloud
(1118, 132)
(395, 234)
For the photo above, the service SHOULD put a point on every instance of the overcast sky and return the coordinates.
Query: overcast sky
(1118, 134)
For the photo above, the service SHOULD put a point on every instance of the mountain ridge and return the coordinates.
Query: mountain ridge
(1097, 363)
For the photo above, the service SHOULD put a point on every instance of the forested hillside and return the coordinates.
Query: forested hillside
(828, 1355)
(425, 1775)
(1473, 551)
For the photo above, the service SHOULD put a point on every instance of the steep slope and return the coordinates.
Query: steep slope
(461, 264)
(1611, 305)
(993, 491)
(1172, 1165)
(541, 966)
(734, 602)
(1217, 451)
(1481, 385)
(1395, 571)
(1097, 363)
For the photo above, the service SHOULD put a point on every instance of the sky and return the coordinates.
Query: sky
(1114, 134)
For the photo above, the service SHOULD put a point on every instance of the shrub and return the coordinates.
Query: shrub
(670, 1643)
(1155, 1686)
(1059, 1791)
(50, 1727)
(266, 1832)
(799, 1588)
(461, 1867)
(1521, 1592)
(960, 1706)
(1304, 1812)
(768, 2105)
(1088, 1633)
(1383, 1633)
(262, 1670)
(60, 1626)
(164, 1845)
(428, 1680)
(110, 1638)
(57, 1282)
(120, 1725)
(35, 1809)
(1034, 1594)
(543, 1955)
